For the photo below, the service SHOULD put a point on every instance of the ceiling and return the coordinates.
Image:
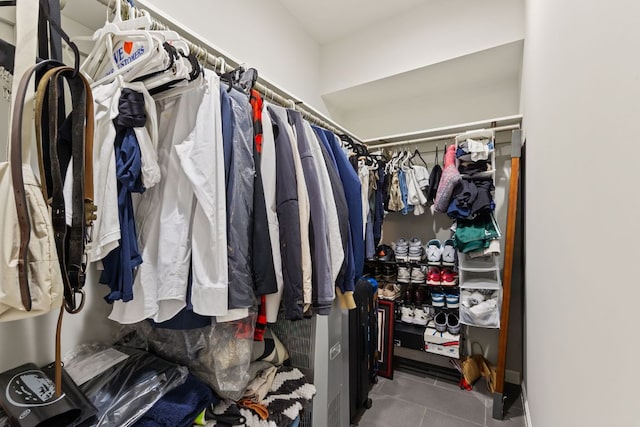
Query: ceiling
(331, 20)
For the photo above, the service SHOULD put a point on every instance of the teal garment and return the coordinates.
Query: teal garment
(477, 234)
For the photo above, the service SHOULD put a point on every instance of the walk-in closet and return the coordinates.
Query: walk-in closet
(287, 213)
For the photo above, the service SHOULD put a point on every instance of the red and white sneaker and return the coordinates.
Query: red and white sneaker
(449, 277)
(434, 276)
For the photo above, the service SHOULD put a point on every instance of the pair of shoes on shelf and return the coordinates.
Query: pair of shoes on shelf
(409, 250)
(416, 251)
(417, 276)
(442, 277)
(441, 253)
(440, 299)
(414, 295)
(404, 276)
(402, 250)
(385, 253)
(389, 273)
(376, 270)
(414, 275)
(390, 291)
(447, 322)
(416, 315)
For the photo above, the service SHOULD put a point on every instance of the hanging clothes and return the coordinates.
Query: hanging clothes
(240, 196)
(288, 211)
(264, 275)
(323, 288)
(378, 209)
(352, 189)
(268, 167)
(334, 238)
(120, 263)
(189, 137)
(346, 269)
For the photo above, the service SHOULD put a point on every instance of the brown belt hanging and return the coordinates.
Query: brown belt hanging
(70, 242)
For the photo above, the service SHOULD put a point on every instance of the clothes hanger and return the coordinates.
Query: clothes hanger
(416, 152)
(105, 48)
(232, 78)
(118, 30)
(178, 70)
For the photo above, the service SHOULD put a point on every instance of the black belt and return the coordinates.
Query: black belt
(70, 242)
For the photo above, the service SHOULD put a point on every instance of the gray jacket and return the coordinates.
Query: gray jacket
(341, 208)
(240, 189)
(323, 285)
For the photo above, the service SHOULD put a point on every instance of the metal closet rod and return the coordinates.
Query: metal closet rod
(437, 138)
(444, 133)
(202, 48)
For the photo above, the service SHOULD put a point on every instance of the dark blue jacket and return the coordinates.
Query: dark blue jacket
(351, 185)
(347, 270)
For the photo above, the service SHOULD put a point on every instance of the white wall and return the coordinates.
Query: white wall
(426, 111)
(437, 31)
(262, 34)
(581, 102)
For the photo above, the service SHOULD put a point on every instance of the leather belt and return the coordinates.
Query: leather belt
(70, 242)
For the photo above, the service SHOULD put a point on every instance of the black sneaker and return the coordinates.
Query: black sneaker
(385, 253)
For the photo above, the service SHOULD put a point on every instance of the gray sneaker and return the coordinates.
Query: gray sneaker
(403, 275)
(440, 321)
(453, 324)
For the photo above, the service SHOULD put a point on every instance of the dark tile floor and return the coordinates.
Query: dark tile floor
(419, 400)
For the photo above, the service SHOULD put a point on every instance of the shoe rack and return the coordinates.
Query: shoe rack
(421, 337)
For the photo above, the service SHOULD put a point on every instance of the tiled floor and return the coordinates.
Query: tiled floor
(412, 399)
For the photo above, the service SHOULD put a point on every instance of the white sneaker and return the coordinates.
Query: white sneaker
(434, 252)
(406, 314)
(422, 316)
(448, 253)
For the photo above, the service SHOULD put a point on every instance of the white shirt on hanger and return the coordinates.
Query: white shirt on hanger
(165, 213)
(105, 232)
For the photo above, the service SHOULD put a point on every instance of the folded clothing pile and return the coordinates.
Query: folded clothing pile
(475, 146)
(471, 198)
(289, 394)
(474, 169)
(477, 235)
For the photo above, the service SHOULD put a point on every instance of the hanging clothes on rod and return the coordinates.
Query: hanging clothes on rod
(218, 59)
(189, 229)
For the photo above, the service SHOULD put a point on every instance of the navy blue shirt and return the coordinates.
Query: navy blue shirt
(120, 263)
